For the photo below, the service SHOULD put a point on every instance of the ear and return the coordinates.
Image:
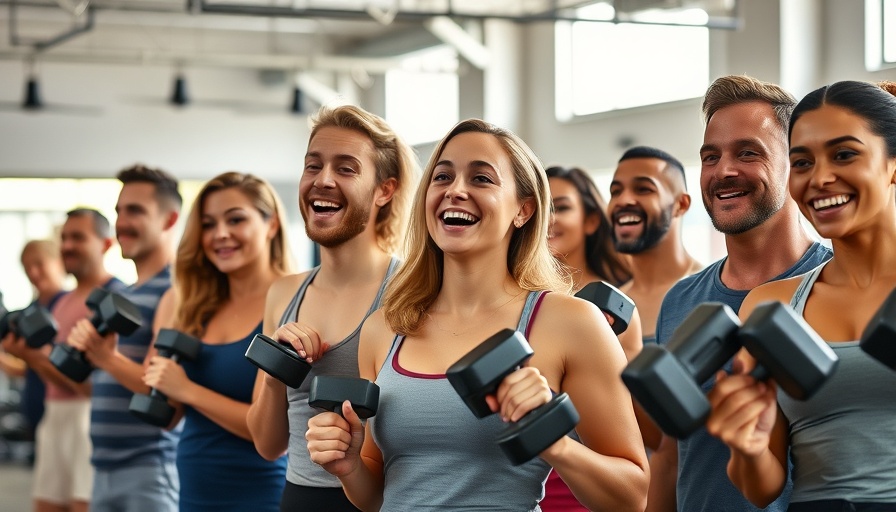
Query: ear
(385, 191)
(527, 208)
(592, 222)
(893, 170)
(107, 244)
(273, 226)
(171, 219)
(682, 205)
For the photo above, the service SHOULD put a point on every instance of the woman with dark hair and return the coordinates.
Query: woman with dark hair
(233, 247)
(840, 441)
(478, 262)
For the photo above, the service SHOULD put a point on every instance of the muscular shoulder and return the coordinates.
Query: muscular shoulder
(564, 317)
(286, 286)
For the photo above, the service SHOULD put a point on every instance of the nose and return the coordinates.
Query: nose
(726, 168)
(324, 178)
(220, 232)
(822, 175)
(457, 190)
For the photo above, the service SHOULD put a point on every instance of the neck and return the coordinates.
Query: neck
(252, 283)
(152, 264)
(474, 287)
(352, 263)
(867, 257)
(46, 296)
(766, 251)
(667, 261)
(87, 282)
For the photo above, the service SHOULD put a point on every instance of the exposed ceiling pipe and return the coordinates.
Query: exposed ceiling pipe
(41, 46)
(466, 45)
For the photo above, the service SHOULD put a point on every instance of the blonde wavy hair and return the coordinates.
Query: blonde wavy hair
(199, 287)
(394, 159)
(414, 287)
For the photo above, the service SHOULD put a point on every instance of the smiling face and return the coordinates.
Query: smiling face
(44, 270)
(338, 185)
(140, 222)
(642, 203)
(235, 235)
(471, 197)
(570, 223)
(841, 176)
(743, 176)
(82, 248)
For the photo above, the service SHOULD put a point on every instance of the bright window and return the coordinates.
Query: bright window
(422, 98)
(605, 66)
(889, 26)
(880, 34)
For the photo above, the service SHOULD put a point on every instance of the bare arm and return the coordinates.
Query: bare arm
(608, 470)
(267, 419)
(661, 496)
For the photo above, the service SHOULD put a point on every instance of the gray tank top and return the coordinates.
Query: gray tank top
(841, 440)
(437, 455)
(341, 359)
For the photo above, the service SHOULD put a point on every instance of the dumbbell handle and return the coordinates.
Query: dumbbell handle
(174, 356)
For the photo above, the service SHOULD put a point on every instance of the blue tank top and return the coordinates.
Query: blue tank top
(437, 455)
(218, 470)
(841, 440)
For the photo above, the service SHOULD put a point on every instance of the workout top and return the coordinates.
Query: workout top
(70, 309)
(340, 359)
(437, 455)
(218, 470)
(841, 440)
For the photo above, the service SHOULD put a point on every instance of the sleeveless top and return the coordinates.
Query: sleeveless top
(841, 440)
(437, 455)
(340, 359)
(218, 470)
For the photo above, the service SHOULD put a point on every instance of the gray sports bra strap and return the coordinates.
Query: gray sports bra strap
(528, 311)
(798, 301)
(293, 306)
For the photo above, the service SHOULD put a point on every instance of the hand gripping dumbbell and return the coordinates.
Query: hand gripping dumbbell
(154, 407)
(479, 373)
(277, 359)
(328, 392)
(111, 313)
(611, 301)
(34, 323)
(666, 382)
(879, 336)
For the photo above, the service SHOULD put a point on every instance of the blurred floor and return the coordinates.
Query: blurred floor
(15, 486)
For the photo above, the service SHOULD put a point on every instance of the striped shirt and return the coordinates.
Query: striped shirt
(120, 438)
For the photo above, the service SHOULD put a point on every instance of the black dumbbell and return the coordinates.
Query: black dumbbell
(328, 392)
(279, 360)
(154, 407)
(611, 301)
(111, 313)
(34, 323)
(666, 383)
(478, 374)
(879, 336)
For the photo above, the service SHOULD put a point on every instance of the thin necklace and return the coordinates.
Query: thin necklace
(458, 333)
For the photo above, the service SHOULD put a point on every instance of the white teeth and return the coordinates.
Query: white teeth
(629, 219)
(730, 195)
(325, 204)
(821, 204)
(459, 215)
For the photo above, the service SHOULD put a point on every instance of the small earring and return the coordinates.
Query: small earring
(517, 223)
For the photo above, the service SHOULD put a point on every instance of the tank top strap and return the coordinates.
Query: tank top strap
(530, 309)
(289, 314)
(801, 295)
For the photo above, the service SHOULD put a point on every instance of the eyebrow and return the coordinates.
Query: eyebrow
(317, 154)
(561, 198)
(832, 142)
(737, 143)
(235, 209)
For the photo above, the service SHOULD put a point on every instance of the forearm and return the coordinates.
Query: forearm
(41, 364)
(661, 496)
(268, 419)
(127, 372)
(760, 478)
(11, 365)
(364, 486)
(230, 414)
(623, 482)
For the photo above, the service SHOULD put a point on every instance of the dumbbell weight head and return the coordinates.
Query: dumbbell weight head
(611, 301)
(787, 349)
(71, 362)
(480, 371)
(154, 408)
(328, 392)
(115, 313)
(37, 326)
(879, 337)
(666, 381)
(539, 429)
(8, 322)
(279, 360)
